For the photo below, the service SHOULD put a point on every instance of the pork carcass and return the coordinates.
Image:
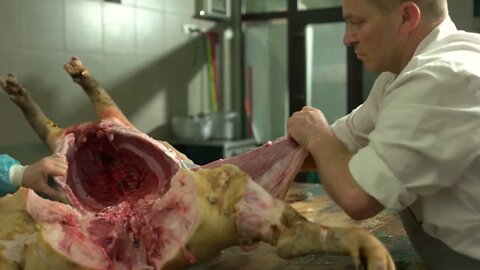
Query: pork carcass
(134, 204)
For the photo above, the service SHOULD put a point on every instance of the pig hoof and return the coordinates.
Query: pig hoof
(76, 69)
(15, 91)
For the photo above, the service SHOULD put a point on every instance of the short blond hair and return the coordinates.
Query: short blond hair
(431, 9)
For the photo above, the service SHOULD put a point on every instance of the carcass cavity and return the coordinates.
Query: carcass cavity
(112, 168)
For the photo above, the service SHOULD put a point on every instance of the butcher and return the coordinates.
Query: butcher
(413, 145)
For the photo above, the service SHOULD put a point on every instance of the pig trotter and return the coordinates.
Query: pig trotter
(46, 129)
(366, 251)
(101, 100)
(261, 217)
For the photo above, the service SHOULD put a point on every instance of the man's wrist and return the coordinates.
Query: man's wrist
(317, 143)
(326, 147)
(16, 175)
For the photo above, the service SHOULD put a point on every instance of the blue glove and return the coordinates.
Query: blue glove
(6, 186)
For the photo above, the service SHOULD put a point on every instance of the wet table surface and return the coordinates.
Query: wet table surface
(312, 202)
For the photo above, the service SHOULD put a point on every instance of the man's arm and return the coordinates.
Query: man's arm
(331, 158)
(310, 129)
(34, 176)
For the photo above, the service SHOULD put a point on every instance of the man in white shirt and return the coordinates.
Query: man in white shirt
(414, 145)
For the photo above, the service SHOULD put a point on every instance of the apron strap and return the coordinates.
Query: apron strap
(436, 254)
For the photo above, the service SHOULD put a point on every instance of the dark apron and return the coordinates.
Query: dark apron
(436, 254)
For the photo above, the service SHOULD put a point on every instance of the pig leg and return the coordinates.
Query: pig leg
(260, 217)
(46, 129)
(303, 237)
(104, 104)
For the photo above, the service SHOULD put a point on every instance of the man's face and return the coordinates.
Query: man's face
(373, 35)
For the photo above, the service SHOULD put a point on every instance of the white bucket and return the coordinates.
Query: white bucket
(192, 128)
(223, 125)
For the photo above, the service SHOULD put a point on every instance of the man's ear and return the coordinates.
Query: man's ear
(410, 17)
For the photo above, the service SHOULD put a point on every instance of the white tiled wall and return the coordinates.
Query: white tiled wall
(137, 50)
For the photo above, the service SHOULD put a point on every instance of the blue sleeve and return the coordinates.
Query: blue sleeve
(6, 162)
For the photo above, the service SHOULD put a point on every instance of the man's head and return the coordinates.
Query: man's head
(385, 33)
(432, 10)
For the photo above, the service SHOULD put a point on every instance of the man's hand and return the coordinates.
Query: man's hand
(36, 175)
(307, 124)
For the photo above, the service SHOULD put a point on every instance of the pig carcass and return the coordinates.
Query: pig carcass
(134, 204)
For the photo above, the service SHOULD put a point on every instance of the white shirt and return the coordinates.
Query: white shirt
(417, 138)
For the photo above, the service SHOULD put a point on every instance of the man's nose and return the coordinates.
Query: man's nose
(349, 39)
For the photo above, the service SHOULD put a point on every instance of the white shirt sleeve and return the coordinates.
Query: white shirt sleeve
(425, 137)
(353, 130)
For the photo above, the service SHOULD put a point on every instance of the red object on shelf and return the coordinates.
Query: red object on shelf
(213, 38)
(248, 101)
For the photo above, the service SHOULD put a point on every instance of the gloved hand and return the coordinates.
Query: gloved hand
(35, 176)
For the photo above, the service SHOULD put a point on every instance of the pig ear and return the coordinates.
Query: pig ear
(101, 100)
(45, 128)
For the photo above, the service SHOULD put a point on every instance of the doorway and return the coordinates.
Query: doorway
(293, 56)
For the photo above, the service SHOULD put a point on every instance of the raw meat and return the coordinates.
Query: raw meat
(134, 205)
